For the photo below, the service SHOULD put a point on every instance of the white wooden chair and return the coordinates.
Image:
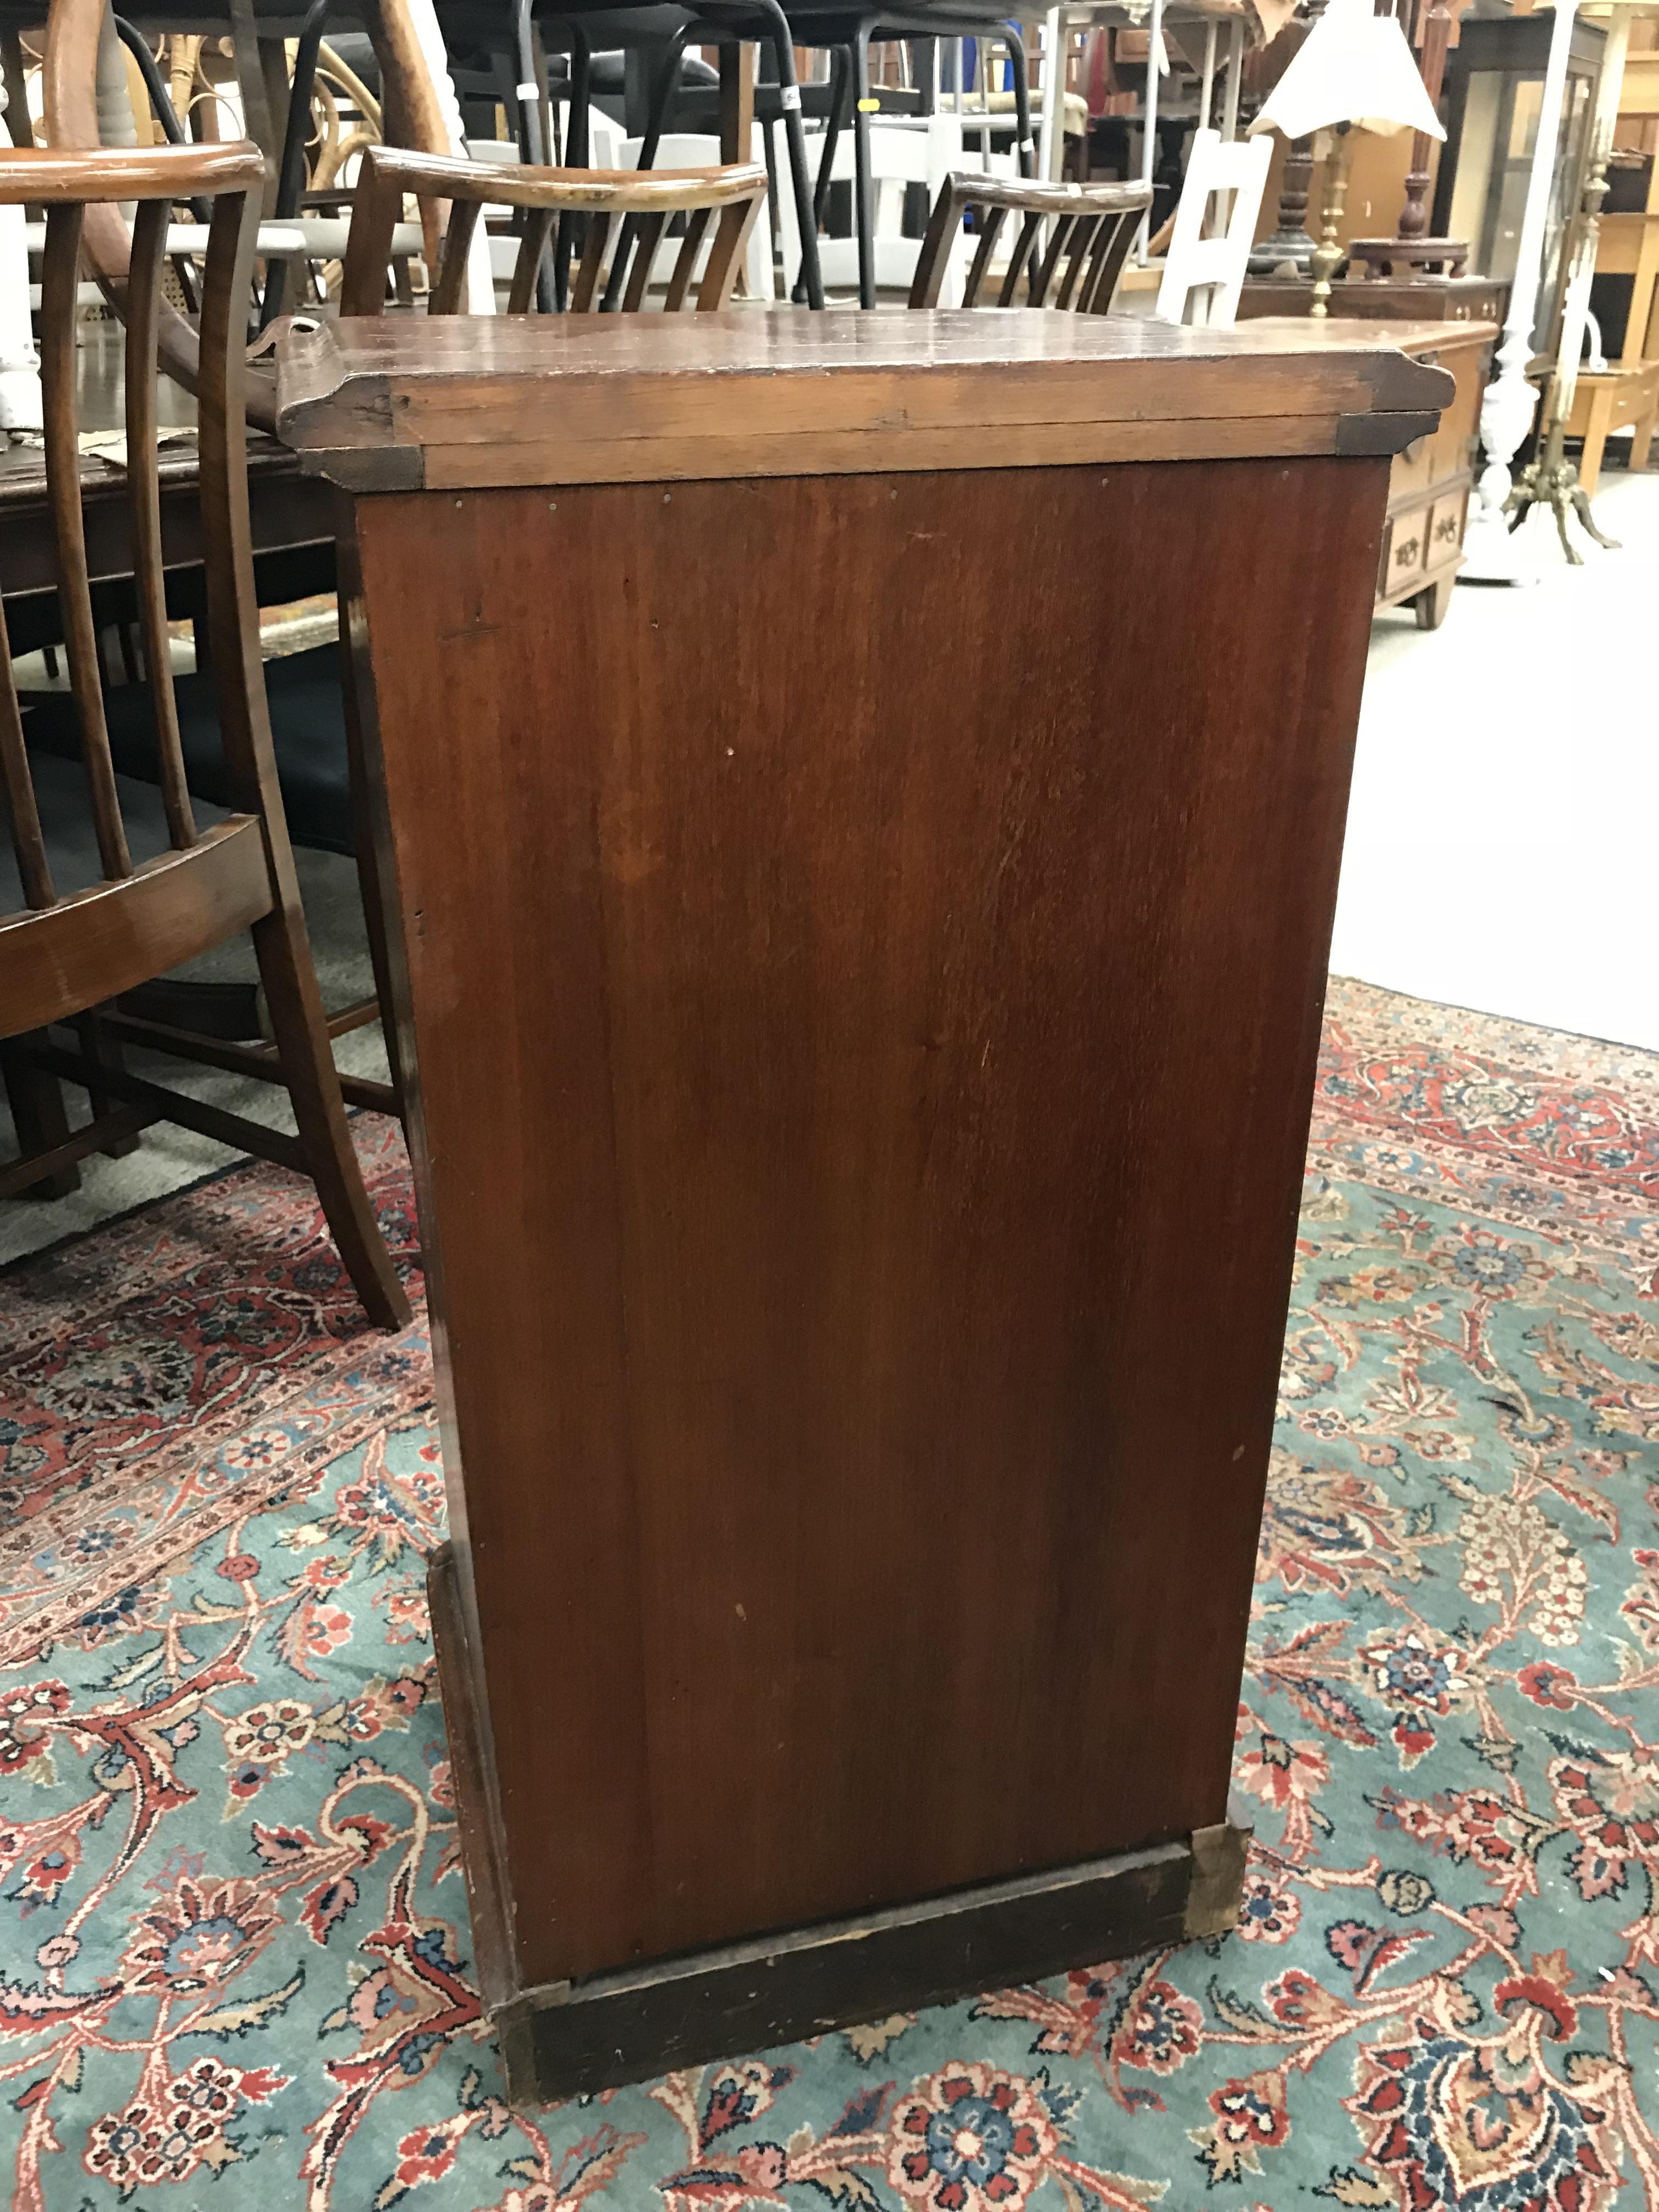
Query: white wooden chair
(1202, 275)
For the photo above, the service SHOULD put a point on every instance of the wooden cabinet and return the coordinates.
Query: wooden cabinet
(864, 870)
(1431, 480)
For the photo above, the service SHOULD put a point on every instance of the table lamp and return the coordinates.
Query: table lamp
(1355, 71)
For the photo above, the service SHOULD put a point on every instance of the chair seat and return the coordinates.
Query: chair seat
(65, 808)
(308, 727)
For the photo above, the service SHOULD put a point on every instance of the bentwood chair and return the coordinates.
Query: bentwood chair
(1093, 227)
(644, 200)
(107, 882)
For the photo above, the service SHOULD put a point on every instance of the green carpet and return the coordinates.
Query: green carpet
(236, 1949)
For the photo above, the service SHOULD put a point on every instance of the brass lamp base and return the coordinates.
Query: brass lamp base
(1551, 481)
(1328, 254)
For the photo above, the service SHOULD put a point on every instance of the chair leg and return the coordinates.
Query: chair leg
(295, 1006)
(840, 63)
(864, 218)
(1027, 147)
(367, 854)
(36, 1099)
(783, 52)
(1596, 438)
(573, 227)
(104, 1050)
(663, 96)
(664, 92)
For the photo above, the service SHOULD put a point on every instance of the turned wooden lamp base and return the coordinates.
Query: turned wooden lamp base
(571, 2038)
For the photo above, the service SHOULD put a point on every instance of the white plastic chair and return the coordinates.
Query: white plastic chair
(923, 151)
(21, 402)
(1202, 275)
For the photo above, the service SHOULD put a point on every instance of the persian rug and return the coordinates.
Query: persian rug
(236, 1956)
(160, 1372)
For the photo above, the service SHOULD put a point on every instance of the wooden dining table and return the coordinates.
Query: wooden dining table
(292, 515)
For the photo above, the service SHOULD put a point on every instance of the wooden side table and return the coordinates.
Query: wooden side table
(865, 794)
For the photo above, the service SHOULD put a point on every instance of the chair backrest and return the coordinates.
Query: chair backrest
(644, 200)
(700, 149)
(64, 951)
(1079, 264)
(1202, 275)
(71, 73)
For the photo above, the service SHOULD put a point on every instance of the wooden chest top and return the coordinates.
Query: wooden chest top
(394, 404)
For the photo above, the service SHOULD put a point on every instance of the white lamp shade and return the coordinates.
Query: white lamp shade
(1354, 67)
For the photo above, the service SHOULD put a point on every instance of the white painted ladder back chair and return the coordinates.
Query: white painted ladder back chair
(1202, 275)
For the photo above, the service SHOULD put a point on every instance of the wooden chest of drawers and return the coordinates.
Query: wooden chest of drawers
(1430, 483)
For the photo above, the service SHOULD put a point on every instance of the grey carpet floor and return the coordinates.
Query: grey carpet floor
(168, 1156)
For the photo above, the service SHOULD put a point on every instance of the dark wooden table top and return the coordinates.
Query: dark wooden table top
(384, 404)
(287, 509)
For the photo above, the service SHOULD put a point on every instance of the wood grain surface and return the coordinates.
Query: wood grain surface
(865, 942)
(96, 944)
(457, 402)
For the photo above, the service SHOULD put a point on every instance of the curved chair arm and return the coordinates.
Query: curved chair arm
(648, 197)
(1094, 225)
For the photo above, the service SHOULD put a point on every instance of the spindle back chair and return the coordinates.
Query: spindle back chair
(643, 199)
(74, 28)
(117, 881)
(1093, 228)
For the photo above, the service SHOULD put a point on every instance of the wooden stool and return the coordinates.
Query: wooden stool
(1604, 400)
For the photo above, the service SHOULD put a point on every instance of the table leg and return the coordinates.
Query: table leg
(1642, 437)
(1596, 437)
(1051, 157)
(864, 213)
(737, 100)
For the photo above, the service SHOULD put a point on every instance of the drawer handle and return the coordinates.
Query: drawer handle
(1448, 528)
(1406, 554)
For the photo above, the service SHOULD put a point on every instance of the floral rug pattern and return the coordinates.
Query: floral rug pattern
(133, 1425)
(235, 1955)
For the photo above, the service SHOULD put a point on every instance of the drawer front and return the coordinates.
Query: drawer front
(1448, 448)
(1407, 555)
(1445, 528)
(1459, 432)
(1413, 468)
